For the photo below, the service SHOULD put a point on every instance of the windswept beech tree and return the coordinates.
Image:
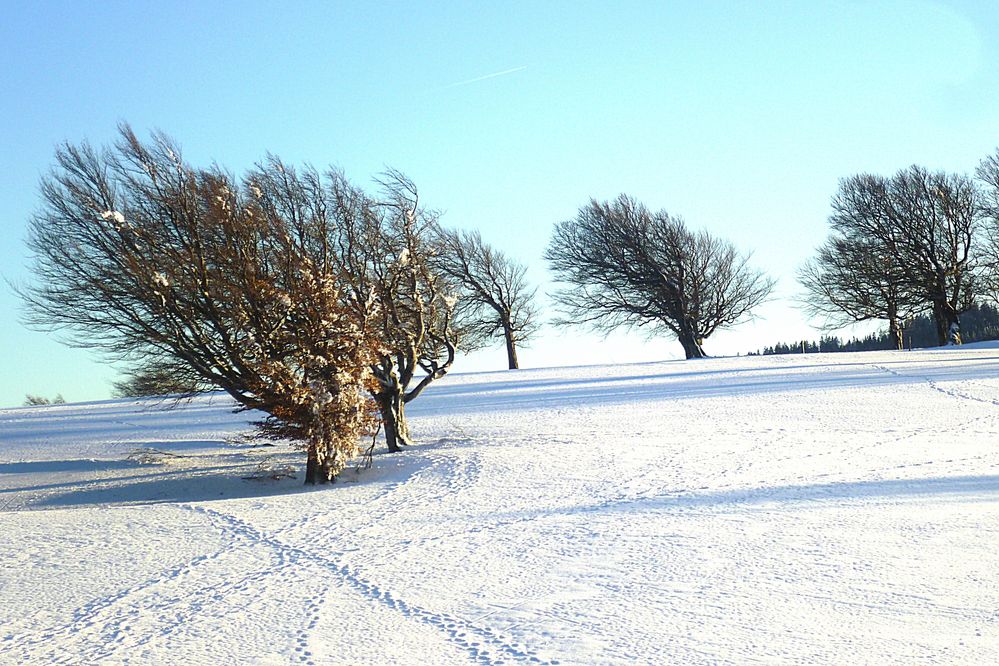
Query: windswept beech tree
(143, 256)
(921, 227)
(852, 279)
(495, 297)
(859, 273)
(988, 255)
(940, 214)
(625, 265)
(383, 247)
(416, 317)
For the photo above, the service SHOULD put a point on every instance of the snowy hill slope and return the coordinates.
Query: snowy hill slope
(818, 508)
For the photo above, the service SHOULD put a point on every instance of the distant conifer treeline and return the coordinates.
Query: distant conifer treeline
(980, 322)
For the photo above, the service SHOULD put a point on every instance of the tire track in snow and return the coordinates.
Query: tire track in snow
(444, 476)
(90, 613)
(288, 564)
(167, 618)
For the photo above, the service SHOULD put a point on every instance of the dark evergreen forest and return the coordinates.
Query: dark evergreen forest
(980, 322)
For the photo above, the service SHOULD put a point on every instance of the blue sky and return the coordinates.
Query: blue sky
(739, 116)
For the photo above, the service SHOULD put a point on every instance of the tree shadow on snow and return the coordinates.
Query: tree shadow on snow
(786, 497)
(946, 487)
(53, 466)
(701, 383)
(226, 479)
(162, 486)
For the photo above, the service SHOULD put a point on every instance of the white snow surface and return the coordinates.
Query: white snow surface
(823, 508)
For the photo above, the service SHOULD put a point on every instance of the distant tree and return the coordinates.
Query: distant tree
(988, 256)
(31, 400)
(628, 266)
(159, 378)
(143, 256)
(920, 227)
(940, 214)
(979, 322)
(853, 279)
(496, 299)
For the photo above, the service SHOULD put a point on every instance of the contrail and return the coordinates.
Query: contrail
(483, 78)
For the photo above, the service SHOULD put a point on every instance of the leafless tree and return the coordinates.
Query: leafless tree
(153, 261)
(940, 214)
(418, 305)
(988, 255)
(852, 280)
(32, 400)
(921, 226)
(626, 265)
(496, 298)
(161, 377)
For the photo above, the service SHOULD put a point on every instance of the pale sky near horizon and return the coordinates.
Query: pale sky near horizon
(738, 116)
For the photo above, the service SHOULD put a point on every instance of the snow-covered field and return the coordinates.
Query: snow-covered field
(811, 509)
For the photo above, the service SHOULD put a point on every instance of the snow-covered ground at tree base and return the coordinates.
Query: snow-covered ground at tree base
(834, 508)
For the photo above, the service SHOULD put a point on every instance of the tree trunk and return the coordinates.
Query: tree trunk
(896, 335)
(692, 345)
(318, 468)
(392, 408)
(948, 324)
(311, 469)
(954, 332)
(895, 332)
(511, 349)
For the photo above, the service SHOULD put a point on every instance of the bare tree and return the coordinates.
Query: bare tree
(417, 323)
(383, 247)
(922, 227)
(628, 266)
(31, 400)
(940, 214)
(988, 255)
(142, 256)
(852, 280)
(496, 298)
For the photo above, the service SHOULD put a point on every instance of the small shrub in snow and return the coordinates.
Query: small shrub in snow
(268, 470)
(31, 400)
(151, 456)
